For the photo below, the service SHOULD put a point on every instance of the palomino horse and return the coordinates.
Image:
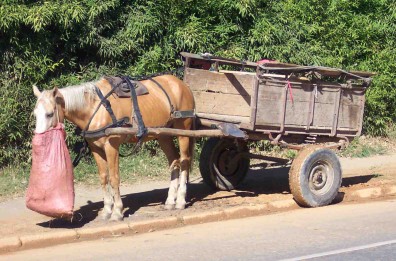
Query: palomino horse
(78, 103)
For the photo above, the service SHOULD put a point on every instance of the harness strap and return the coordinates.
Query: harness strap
(105, 102)
(172, 109)
(142, 130)
(101, 131)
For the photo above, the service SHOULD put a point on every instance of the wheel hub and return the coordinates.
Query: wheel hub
(318, 178)
(226, 163)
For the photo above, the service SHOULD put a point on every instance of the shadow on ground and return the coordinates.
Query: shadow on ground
(258, 181)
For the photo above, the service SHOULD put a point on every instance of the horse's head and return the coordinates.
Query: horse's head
(49, 109)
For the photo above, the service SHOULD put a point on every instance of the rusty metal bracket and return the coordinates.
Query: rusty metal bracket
(231, 130)
(274, 141)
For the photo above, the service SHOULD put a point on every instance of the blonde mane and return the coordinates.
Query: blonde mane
(75, 95)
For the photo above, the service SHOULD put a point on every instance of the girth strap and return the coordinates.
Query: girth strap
(142, 130)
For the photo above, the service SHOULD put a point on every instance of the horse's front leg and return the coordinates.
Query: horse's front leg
(112, 156)
(101, 162)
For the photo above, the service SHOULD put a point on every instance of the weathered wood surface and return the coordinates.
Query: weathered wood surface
(224, 118)
(271, 99)
(286, 68)
(167, 132)
(221, 93)
(220, 82)
(221, 60)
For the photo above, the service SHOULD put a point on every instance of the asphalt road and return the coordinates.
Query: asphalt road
(338, 232)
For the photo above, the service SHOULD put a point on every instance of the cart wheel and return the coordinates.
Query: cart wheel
(222, 164)
(315, 177)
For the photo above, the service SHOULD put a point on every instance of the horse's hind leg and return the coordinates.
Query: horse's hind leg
(167, 145)
(185, 145)
(112, 155)
(101, 162)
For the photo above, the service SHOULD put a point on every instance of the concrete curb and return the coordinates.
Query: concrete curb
(63, 236)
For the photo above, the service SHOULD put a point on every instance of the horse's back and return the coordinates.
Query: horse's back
(177, 90)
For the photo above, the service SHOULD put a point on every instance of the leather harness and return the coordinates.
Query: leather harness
(135, 88)
(123, 87)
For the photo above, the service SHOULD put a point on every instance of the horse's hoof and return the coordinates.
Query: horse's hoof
(180, 205)
(105, 216)
(116, 217)
(169, 206)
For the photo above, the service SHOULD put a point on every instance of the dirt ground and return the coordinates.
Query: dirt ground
(145, 201)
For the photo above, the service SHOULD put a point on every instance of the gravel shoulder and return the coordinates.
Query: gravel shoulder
(144, 201)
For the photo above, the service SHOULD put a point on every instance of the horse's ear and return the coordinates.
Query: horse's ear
(36, 91)
(55, 91)
(58, 97)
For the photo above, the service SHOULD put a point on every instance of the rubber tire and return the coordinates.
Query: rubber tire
(208, 164)
(299, 176)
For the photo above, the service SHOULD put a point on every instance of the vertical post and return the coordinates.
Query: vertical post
(360, 122)
(186, 67)
(283, 114)
(311, 105)
(254, 100)
(216, 66)
(336, 113)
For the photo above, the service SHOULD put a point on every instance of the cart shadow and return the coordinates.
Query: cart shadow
(257, 181)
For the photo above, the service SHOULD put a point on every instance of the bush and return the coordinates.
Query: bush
(61, 43)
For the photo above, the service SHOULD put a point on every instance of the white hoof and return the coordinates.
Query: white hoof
(169, 206)
(105, 215)
(116, 217)
(180, 205)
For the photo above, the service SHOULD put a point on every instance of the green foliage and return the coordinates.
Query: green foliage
(361, 148)
(59, 43)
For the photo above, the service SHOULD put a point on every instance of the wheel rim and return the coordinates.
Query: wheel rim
(321, 177)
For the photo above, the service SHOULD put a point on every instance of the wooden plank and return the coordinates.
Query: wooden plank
(336, 112)
(202, 80)
(218, 59)
(220, 103)
(311, 106)
(352, 97)
(253, 104)
(323, 115)
(285, 68)
(166, 132)
(349, 116)
(224, 118)
(269, 108)
(352, 105)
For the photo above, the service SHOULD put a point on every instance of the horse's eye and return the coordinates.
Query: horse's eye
(49, 115)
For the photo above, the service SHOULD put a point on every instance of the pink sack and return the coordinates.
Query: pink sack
(51, 188)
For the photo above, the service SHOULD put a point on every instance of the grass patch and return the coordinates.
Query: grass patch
(142, 166)
(13, 181)
(149, 164)
(364, 147)
(265, 147)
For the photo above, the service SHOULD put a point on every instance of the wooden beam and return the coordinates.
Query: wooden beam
(167, 132)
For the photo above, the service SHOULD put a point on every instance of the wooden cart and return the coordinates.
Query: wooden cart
(307, 108)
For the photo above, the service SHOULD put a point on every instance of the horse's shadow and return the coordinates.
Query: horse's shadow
(257, 182)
